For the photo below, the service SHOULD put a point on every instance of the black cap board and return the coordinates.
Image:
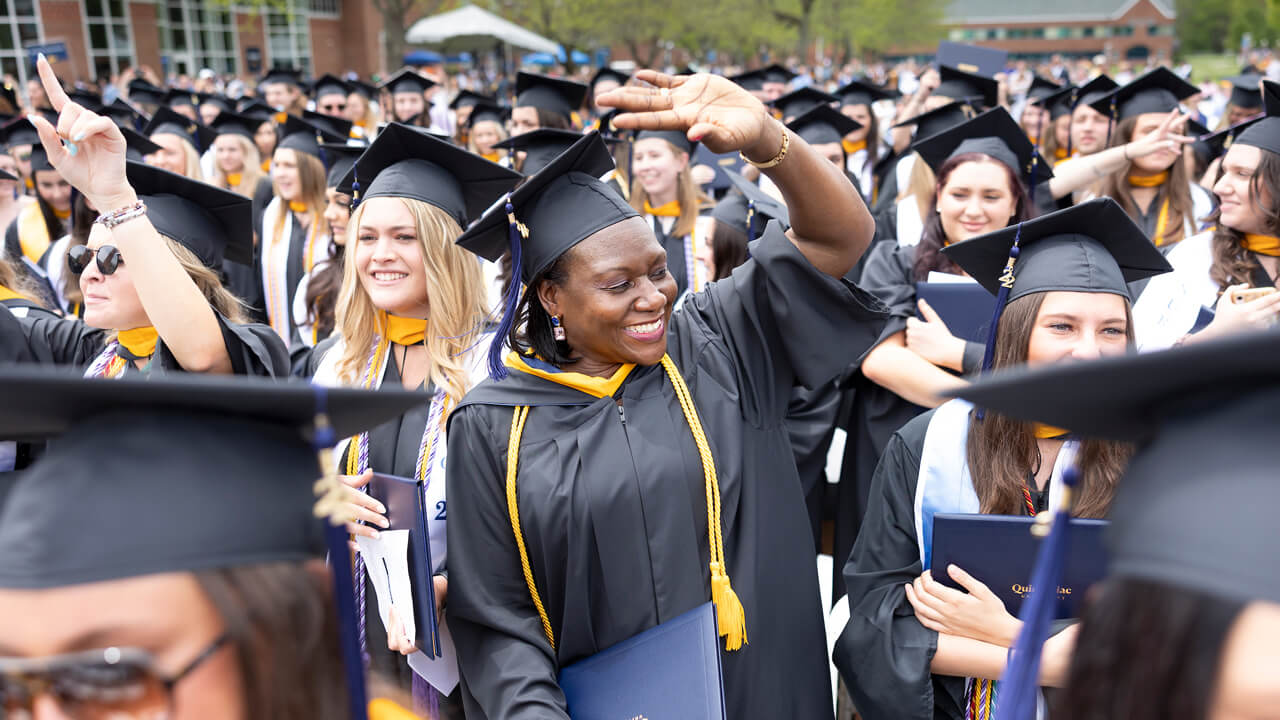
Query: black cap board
(542, 146)
(1158, 91)
(608, 73)
(19, 131)
(1041, 88)
(342, 156)
(487, 112)
(258, 111)
(799, 101)
(222, 102)
(85, 98)
(229, 123)
(960, 85)
(137, 146)
(1091, 247)
(677, 138)
(407, 81)
(860, 92)
(1245, 92)
(284, 75)
(6, 175)
(141, 91)
(548, 93)
(975, 59)
(123, 114)
(939, 119)
(329, 84)
(338, 127)
(1263, 132)
(1059, 102)
(823, 125)
(755, 79)
(213, 223)
(466, 98)
(168, 122)
(749, 208)
(404, 162)
(300, 135)
(40, 159)
(993, 133)
(370, 92)
(1095, 90)
(176, 97)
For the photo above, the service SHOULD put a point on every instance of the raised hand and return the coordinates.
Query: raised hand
(1167, 137)
(707, 108)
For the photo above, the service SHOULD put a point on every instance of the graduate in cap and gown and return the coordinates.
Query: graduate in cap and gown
(147, 96)
(19, 293)
(293, 235)
(411, 314)
(183, 102)
(1245, 100)
(363, 109)
(266, 136)
(237, 165)
(543, 101)
(284, 90)
(868, 158)
(766, 84)
(485, 131)
(38, 224)
(407, 89)
(13, 193)
(1056, 136)
(1193, 533)
(182, 141)
(329, 93)
(212, 105)
(902, 206)
(612, 498)
(1241, 251)
(194, 588)
(800, 101)
(670, 202)
(906, 652)
(150, 269)
(604, 80)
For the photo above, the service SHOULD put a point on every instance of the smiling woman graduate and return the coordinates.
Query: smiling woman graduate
(621, 426)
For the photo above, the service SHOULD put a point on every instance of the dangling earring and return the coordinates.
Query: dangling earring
(557, 330)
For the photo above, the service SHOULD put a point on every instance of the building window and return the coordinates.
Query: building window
(1121, 31)
(1158, 30)
(19, 27)
(326, 7)
(196, 34)
(957, 35)
(110, 36)
(289, 36)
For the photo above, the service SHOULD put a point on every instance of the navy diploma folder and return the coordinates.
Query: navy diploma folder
(406, 510)
(965, 307)
(1000, 551)
(668, 671)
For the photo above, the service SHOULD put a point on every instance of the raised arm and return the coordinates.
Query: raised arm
(1080, 172)
(829, 222)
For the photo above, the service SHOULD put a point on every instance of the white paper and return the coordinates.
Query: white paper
(948, 278)
(386, 560)
(442, 672)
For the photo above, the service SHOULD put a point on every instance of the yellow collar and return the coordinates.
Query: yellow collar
(1262, 244)
(62, 214)
(405, 330)
(233, 179)
(1061, 154)
(671, 209)
(589, 384)
(851, 147)
(297, 207)
(1149, 181)
(492, 157)
(139, 341)
(266, 165)
(7, 294)
(1049, 432)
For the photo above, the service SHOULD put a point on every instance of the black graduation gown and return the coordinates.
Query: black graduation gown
(884, 653)
(811, 423)
(613, 506)
(254, 349)
(674, 245)
(295, 268)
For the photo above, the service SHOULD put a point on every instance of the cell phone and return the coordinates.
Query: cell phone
(1250, 294)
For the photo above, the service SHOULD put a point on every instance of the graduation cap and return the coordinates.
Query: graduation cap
(85, 98)
(222, 102)
(229, 123)
(370, 92)
(40, 159)
(123, 114)
(1262, 132)
(551, 212)
(1207, 145)
(799, 101)
(676, 138)
(1245, 92)
(403, 162)
(1041, 88)
(209, 221)
(1094, 90)
(342, 156)
(823, 125)
(960, 85)
(466, 99)
(181, 98)
(1158, 91)
(298, 134)
(993, 133)
(749, 207)
(487, 111)
(755, 79)
(332, 125)
(407, 80)
(542, 146)
(284, 75)
(137, 146)
(166, 121)
(548, 93)
(257, 110)
(1059, 102)
(141, 91)
(859, 92)
(939, 119)
(1091, 247)
(204, 443)
(329, 84)
(608, 73)
(19, 131)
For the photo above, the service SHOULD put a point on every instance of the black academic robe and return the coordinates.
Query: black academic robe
(884, 653)
(254, 349)
(295, 269)
(811, 423)
(613, 505)
(676, 260)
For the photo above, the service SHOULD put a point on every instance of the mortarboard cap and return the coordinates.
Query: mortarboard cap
(363, 88)
(257, 110)
(1094, 90)
(222, 102)
(298, 134)
(409, 81)
(284, 75)
(608, 73)
(137, 145)
(336, 126)
(748, 208)
(822, 125)
(85, 98)
(801, 100)
(403, 162)
(1041, 88)
(1158, 91)
(1260, 132)
(123, 114)
(466, 98)
(166, 121)
(487, 111)
(229, 123)
(342, 157)
(328, 84)
(39, 158)
(542, 146)
(1245, 92)
(1059, 102)
(860, 92)
(176, 97)
(676, 138)
(994, 133)
(141, 91)
(755, 79)
(19, 131)
(960, 85)
(548, 93)
(974, 59)
(939, 119)
(209, 221)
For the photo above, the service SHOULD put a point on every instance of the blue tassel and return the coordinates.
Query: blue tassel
(1019, 686)
(497, 369)
(1006, 284)
(355, 186)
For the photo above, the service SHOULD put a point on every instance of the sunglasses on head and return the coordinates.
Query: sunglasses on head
(112, 683)
(108, 258)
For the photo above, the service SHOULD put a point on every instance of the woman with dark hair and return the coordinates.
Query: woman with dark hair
(38, 225)
(864, 150)
(407, 92)
(547, 102)
(1242, 251)
(617, 538)
(911, 642)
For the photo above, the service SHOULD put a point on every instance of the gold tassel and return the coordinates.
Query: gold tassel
(730, 616)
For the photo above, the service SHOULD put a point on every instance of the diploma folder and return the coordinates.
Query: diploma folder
(406, 510)
(669, 671)
(965, 307)
(1000, 551)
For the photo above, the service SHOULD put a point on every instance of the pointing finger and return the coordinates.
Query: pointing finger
(52, 88)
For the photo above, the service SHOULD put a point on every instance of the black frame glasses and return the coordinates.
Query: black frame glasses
(113, 682)
(78, 257)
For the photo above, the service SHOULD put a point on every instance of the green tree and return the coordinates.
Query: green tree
(1203, 25)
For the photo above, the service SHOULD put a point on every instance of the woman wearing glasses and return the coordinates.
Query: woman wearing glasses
(149, 272)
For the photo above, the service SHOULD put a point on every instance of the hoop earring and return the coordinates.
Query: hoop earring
(557, 330)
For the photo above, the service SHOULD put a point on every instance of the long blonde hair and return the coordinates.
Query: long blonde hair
(455, 292)
(209, 281)
(687, 192)
(190, 158)
(370, 120)
(922, 184)
(250, 175)
(311, 178)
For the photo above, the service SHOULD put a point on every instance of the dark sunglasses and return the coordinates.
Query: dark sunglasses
(110, 683)
(108, 257)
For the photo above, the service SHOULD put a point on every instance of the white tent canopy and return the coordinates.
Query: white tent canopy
(471, 28)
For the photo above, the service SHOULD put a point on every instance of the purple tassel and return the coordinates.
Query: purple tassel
(498, 370)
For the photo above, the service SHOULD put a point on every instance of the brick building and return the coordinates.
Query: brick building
(183, 36)
(1121, 29)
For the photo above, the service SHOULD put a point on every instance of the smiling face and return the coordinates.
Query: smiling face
(1034, 118)
(229, 154)
(388, 258)
(1073, 326)
(110, 301)
(616, 299)
(285, 175)
(357, 107)
(337, 212)
(172, 154)
(657, 165)
(1239, 169)
(484, 135)
(1088, 130)
(976, 199)
(407, 105)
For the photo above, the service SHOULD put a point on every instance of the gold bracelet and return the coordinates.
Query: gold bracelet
(782, 153)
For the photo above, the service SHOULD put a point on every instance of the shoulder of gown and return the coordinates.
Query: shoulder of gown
(888, 275)
(254, 349)
(61, 341)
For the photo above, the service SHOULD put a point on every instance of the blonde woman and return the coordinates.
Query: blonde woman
(485, 130)
(150, 269)
(665, 194)
(294, 234)
(410, 311)
(181, 141)
(362, 107)
(237, 165)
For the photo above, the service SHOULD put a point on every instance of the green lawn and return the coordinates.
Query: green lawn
(1212, 67)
